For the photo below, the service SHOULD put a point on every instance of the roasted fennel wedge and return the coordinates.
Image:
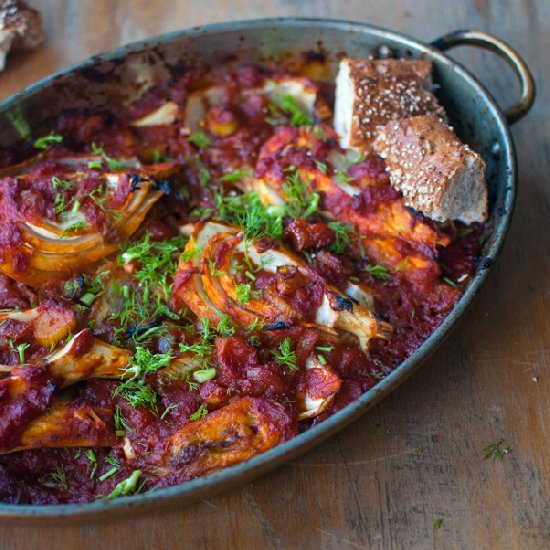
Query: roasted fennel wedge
(222, 273)
(94, 211)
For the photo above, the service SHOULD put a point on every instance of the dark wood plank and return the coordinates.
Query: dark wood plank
(418, 455)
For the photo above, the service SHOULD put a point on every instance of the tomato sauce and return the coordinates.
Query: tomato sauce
(228, 391)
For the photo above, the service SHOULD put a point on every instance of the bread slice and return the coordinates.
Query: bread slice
(437, 174)
(21, 28)
(370, 93)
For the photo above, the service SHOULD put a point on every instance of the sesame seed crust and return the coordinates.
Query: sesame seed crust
(388, 89)
(425, 159)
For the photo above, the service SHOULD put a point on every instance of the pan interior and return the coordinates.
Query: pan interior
(121, 75)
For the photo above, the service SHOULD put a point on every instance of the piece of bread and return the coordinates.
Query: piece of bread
(20, 28)
(370, 93)
(437, 174)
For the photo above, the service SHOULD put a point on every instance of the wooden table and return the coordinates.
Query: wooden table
(418, 456)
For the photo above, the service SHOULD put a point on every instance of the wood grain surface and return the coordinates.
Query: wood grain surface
(418, 456)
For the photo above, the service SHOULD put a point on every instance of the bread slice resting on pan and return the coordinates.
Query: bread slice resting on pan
(387, 107)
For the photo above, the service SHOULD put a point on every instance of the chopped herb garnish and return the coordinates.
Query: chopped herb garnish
(437, 523)
(121, 424)
(45, 141)
(462, 232)
(352, 157)
(324, 349)
(201, 349)
(206, 332)
(254, 341)
(139, 394)
(157, 156)
(450, 282)
(244, 293)
(96, 286)
(249, 212)
(276, 117)
(108, 473)
(59, 202)
(200, 139)
(88, 299)
(342, 232)
(192, 250)
(254, 325)
(140, 333)
(56, 478)
(136, 390)
(90, 455)
(126, 487)
(204, 176)
(285, 356)
(297, 115)
(378, 271)
(193, 386)
(71, 288)
(156, 265)
(20, 349)
(64, 185)
(214, 271)
(112, 461)
(237, 175)
(80, 225)
(302, 201)
(321, 359)
(494, 451)
(201, 412)
(114, 164)
(321, 166)
(144, 362)
(204, 375)
(94, 164)
(343, 177)
(98, 196)
(167, 410)
(225, 327)
(319, 133)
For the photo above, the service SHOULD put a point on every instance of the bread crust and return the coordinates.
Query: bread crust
(370, 93)
(437, 174)
(21, 28)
